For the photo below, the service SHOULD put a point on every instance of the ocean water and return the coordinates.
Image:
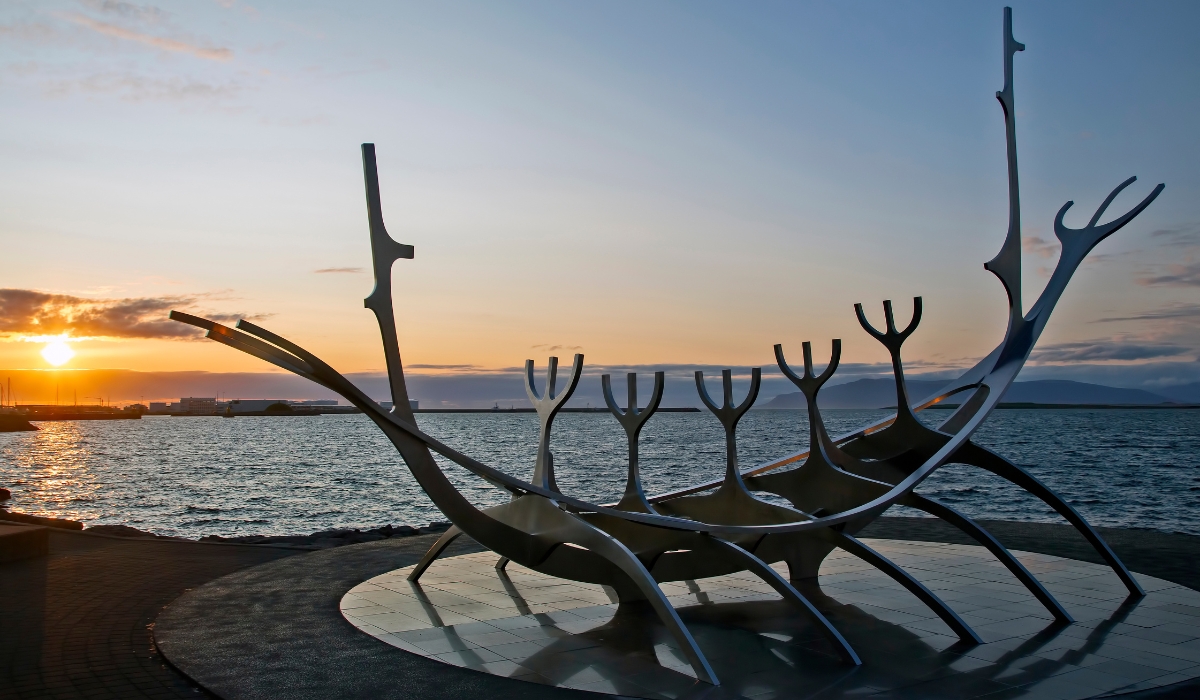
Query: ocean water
(259, 475)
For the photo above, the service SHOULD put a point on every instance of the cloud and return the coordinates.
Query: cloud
(1035, 245)
(162, 43)
(128, 10)
(36, 32)
(1171, 312)
(138, 88)
(457, 368)
(552, 348)
(1101, 258)
(1179, 235)
(1178, 275)
(1106, 350)
(30, 312)
(338, 270)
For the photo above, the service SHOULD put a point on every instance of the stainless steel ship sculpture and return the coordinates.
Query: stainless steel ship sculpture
(835, 488)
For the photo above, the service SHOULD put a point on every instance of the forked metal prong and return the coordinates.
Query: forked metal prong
(727, 412)
(632, 420)
(1092, 234)
(890, 337)
(548, 405)
(808, 377)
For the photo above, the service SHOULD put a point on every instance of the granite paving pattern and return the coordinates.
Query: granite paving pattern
(1170, 556)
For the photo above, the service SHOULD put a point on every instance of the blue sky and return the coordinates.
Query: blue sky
(652, 183)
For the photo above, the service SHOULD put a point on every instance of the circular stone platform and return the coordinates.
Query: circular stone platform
(524, 625)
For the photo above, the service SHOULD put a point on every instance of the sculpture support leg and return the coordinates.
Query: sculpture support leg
(976, 456)
(610, 548)
(951, 618)
(435, 551)
(985, 538)
(761, 569)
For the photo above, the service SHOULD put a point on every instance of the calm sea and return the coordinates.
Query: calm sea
(200, 476)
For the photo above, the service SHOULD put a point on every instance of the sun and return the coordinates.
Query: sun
(57, 352)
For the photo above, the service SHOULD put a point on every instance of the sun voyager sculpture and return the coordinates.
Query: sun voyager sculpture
(836, 488)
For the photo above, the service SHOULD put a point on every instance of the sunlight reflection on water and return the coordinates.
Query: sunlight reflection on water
(198, 476)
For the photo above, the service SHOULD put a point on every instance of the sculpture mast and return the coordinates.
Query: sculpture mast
(384, 252)
(1007, 263)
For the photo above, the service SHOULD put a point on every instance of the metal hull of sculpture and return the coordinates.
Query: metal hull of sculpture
(840, 484)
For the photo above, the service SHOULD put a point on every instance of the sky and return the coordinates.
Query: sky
(668, 184)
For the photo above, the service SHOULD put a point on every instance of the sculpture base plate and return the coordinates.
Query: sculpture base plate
(525, 625)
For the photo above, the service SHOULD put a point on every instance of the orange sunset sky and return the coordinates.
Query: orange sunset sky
(689, 188)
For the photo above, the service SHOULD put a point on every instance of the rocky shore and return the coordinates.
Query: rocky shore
(323, 539)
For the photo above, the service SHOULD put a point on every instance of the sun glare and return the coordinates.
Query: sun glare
(57, 353)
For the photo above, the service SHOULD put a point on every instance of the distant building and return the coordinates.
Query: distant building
(412, 404)
(255, 405)
(194, 406)
(160, 407)
(252, 405)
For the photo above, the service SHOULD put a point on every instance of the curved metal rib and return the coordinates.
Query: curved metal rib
(611, 549)
(435, 551)
(291, 356)
(820, 445)
(977, 456)
(985, 538)
(632, 420)
(760, 568)
(899, 575)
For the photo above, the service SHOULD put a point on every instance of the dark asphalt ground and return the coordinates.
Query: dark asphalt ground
(76, 623)
(79, 623)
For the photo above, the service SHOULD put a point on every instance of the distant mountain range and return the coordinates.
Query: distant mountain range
(881, 393)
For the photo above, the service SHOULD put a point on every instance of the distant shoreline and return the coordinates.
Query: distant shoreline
(528, 409)
(1011, 406)
(1044, 406)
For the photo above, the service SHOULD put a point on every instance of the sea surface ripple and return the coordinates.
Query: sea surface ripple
(267, 475)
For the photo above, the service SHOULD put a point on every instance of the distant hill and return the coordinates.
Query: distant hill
(862, 393)
(880, 393)
(1184, 393)
(1064, 391)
